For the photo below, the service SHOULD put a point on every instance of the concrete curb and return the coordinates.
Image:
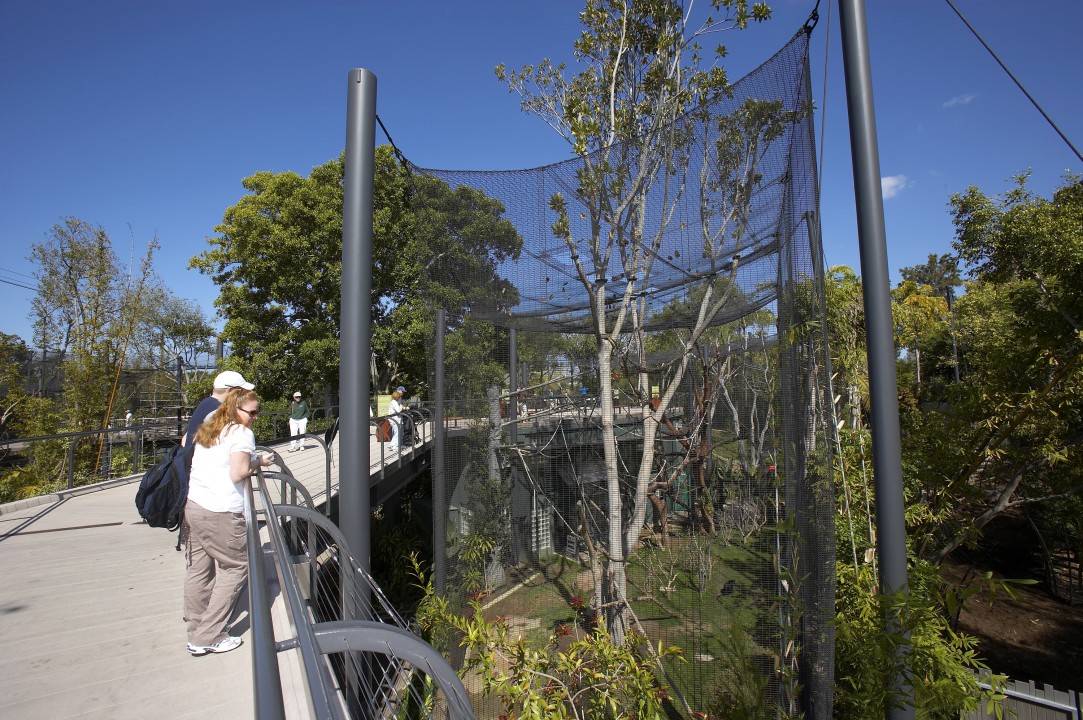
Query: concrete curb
(65, 494)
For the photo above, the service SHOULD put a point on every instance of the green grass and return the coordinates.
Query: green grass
(697, 622)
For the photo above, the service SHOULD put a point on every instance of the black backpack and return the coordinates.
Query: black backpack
(163, 491)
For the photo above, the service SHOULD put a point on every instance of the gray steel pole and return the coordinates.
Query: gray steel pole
(354, 510)
(513, 386)
(883, 387)
(439, 485)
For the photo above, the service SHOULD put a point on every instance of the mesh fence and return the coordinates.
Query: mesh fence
(635, 384)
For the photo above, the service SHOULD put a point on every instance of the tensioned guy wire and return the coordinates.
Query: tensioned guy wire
(394, 147)
(1016, 81)
(823, 94)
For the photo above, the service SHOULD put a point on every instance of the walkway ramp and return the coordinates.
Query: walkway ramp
(389, 470)
(91, 619)
(91, 605)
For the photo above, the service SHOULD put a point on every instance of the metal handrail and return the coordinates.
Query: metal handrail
(318, 683)
(386, 633)
(364, 636)
(267, 683)
(88, 433)
(74, 437)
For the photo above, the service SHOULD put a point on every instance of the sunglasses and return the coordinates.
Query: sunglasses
(251, 413)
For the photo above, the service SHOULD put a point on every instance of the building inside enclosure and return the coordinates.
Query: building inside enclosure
(636, 393)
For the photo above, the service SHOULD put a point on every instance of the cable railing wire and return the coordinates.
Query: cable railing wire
(359, 656)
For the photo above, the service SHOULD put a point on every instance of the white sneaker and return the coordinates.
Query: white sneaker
(222, 646)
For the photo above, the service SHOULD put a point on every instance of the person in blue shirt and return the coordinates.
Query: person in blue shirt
(224, 383)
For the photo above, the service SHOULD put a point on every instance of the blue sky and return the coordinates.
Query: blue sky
(143, 116)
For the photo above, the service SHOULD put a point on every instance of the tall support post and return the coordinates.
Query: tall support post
(883, 388)
(513, 386)
(439, 484)
(354, 510)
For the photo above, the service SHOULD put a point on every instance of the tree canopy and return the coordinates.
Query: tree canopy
(640, 68)
(95, 317)
(277, 262)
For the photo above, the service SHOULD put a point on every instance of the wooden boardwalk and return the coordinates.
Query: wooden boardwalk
(91, 610)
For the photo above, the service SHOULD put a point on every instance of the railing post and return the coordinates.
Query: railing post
(137, 451)
(513, 386)
(327, 473)
(265, 673)
(71, 463)
(439, 486)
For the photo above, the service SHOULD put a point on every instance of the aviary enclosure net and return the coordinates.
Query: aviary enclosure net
(635, 393)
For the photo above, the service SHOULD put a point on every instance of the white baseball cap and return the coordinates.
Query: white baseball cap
(231, 379)
(297, 394)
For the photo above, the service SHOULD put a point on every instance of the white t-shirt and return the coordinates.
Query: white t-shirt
(209, 483)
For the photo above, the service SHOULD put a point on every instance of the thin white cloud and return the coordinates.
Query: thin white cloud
(959, 100)
(892, 185)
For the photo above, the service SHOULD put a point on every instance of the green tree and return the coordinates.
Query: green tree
(918, 314)
(570, 675)
(87, 309)
(1016, 424)
(939, 272)
(277, 262)
(641, 71)
(14, 354)
(96, 314)
(847, 341)
(941, 663)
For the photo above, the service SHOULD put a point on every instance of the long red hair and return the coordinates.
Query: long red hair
(211, 430)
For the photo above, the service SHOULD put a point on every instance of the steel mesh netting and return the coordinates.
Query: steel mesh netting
(635, 385)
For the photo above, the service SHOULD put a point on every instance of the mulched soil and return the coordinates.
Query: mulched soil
(1032, 636)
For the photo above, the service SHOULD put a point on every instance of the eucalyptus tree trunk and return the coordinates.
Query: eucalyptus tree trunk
(615, 583)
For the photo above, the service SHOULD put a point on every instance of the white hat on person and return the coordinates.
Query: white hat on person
(232, 379)
(297, 394)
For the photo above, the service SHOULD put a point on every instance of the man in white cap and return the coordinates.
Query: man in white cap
(223, 384)
(298, 422)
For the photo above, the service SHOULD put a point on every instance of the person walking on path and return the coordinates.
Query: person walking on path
(394, 411)
(223, 383)
(224, 457)
(298, 422)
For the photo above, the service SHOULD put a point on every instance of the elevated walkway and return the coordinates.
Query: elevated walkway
(91, 603)
(90, 618)
(389, 470)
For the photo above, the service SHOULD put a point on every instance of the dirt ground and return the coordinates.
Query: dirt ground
(1033, 636)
